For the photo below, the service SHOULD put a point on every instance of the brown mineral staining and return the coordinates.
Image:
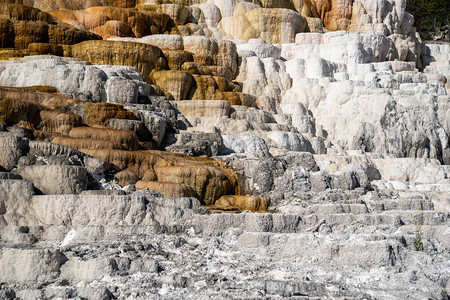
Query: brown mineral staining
(43, 89)
(64, 35)
(37, 94)
(201, 68)
(125, 139)
(108, 21)
(19, 12)
(100, 113)
(42, 95)
(145, 58)
(13, 111)
(177, 83)
(87, 143)
(168, 189)
(126, 177)
(45, 48)
(23, 25)
(123, 3)
(29, 32)
(176, 58)
(250, 203)
(208, 178)
(177, 13)
(56, 121)
(335, 14)
(49, 5)
(6, 34)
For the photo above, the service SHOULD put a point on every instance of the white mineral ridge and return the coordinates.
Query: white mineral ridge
(98, 83)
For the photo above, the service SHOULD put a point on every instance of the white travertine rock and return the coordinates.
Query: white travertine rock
(384, 16)
(425, 171)
(211, 14)
(251, 115)
(265, 78)
(339, 47)
(85, 82)
(30, 266)
(55, 179)
(226, 7)
(13, 194)
(260, 48)
(436, 59)
(94, 269)
(250, 145)
(289, 141)
(155, 122)
(11, 149)
(90, 210)
(120, 89)
(345, 84)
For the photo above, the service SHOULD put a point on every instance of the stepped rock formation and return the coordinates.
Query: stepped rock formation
(222, 149)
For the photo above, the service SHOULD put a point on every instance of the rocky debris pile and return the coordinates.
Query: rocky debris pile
(222, 149)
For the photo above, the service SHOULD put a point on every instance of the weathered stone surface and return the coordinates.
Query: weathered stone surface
(275, 178)
(155, 122)
(29, 266)
(83, 81)
(55, 179)
(12, 193)
(12, 148)
(195, 143)
(250, 145)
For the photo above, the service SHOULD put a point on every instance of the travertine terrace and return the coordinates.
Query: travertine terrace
(222, 149)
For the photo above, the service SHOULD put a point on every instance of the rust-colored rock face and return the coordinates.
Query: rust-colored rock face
(108, 21)
(174, 175)
(49, 5)
(101, 113)
(22, 26)
(25, 108)
(240, 203)
(18, 12)
(145, 58)
(336, 14)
